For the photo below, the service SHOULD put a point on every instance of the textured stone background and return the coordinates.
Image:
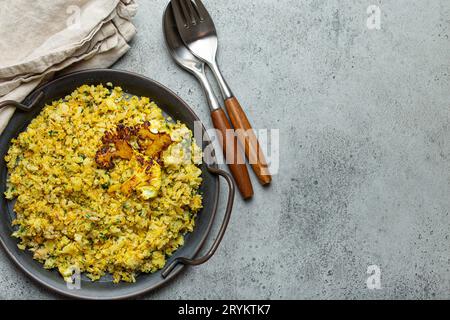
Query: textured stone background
(364, 129)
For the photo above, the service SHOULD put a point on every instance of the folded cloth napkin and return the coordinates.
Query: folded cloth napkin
(40, 38)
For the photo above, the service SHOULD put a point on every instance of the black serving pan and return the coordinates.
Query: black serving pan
(173, 106)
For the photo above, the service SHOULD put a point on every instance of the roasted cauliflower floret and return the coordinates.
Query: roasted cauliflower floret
(153, 186)
(118, 144)
(146, 182)
(152, 144)
(161, 143)
(106, 155)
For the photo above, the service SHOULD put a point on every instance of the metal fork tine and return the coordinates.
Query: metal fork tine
(178, 13)
(201, 10)
(185, 11)
(191, 11)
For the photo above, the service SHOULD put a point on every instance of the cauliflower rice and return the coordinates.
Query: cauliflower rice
(76, 215)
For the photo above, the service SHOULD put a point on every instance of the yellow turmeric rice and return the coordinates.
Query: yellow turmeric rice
(120, 218)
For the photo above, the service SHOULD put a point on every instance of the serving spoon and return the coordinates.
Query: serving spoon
(189, 62)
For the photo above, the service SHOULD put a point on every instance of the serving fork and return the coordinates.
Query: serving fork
(189, 62)
(197, 30)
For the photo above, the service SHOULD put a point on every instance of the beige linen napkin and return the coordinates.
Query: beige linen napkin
(39, 38)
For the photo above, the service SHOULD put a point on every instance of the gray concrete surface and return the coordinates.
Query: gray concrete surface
(364, 129)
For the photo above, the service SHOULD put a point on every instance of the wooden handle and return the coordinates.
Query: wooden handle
(247, 137)
(232, 153)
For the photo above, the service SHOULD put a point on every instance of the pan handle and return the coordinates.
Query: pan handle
(195, 262)
(20, 106)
